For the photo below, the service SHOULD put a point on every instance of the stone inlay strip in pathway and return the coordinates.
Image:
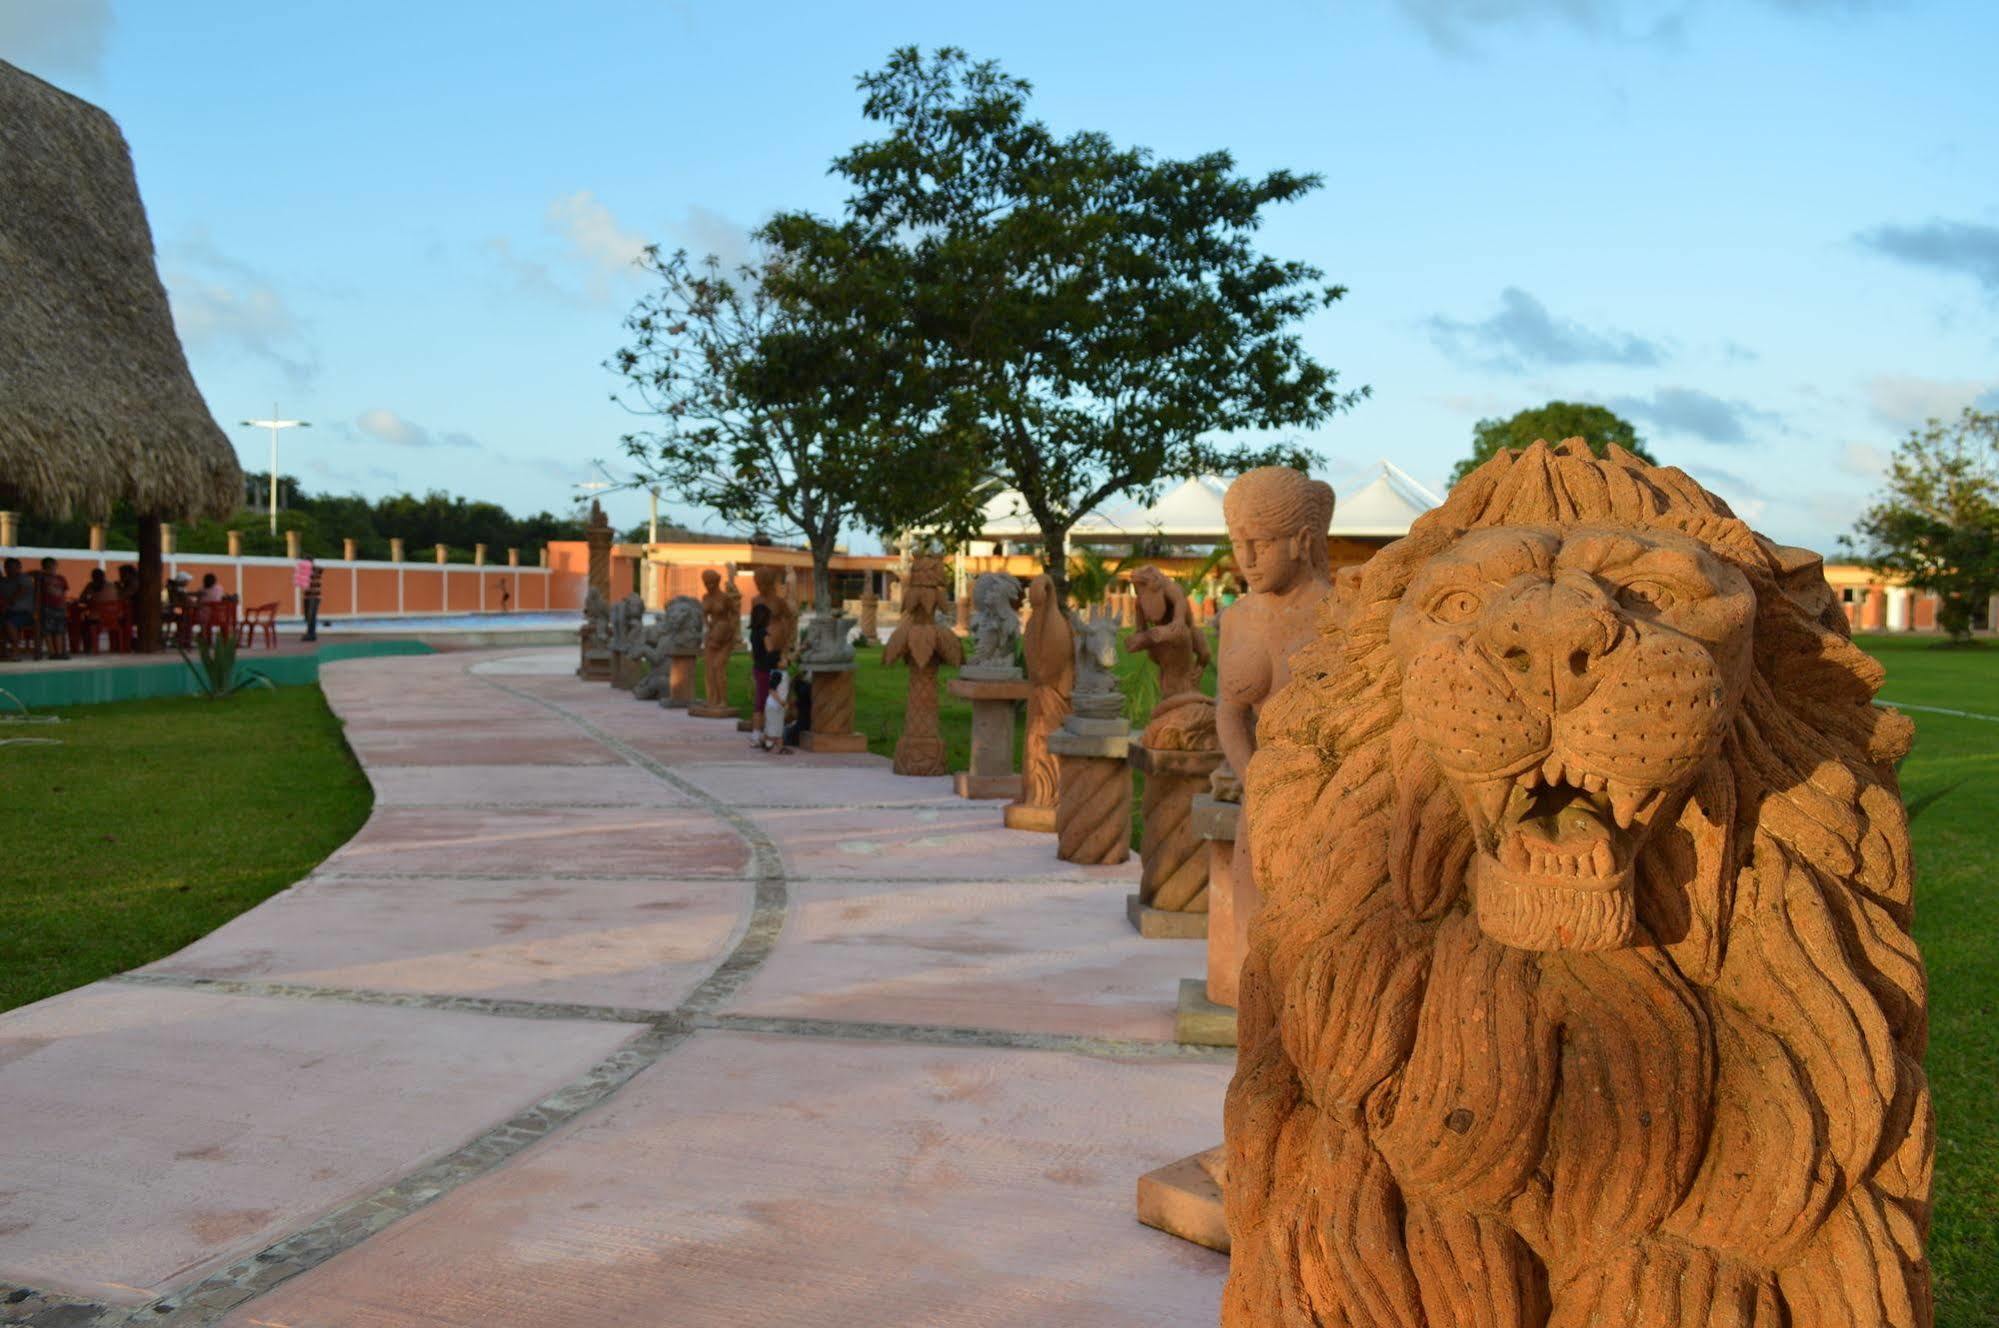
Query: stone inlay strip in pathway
(213, 1296)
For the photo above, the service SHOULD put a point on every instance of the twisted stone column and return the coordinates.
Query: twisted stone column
(1093, 807)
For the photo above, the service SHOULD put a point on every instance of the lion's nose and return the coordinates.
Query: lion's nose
(1551, 638)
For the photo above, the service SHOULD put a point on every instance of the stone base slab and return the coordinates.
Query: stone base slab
(702, 710)
(1108, 746)
(970, 686)
(1200, 1022)
(1213, 818)
(969, 785)
(1025, 816)
(832, 742)
(1182, 1199)
(1161, 924)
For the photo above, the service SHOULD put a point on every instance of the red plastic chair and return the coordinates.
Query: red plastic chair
(217, 617)
(263, 617)
(114, 619)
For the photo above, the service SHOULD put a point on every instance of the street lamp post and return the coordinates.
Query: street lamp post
(274, 424)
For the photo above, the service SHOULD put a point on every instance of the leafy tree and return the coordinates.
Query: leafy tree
(1082, 320)
(1937, 526)
(1596, 425)
(771, 413)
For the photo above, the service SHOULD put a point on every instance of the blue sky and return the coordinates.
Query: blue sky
(1765, 230)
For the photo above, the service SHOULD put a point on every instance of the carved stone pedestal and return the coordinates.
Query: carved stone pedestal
(993, 700)
(1206, 1015)
(702, 710)
(679, 682)
(832, 710)
(1093, 808)
(1027, 816)
(595, 665)
(1173, 892)
(1184, 1199)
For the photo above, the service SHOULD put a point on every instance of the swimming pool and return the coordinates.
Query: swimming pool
(458, 622)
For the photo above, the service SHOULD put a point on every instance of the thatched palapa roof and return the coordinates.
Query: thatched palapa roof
(96, 402)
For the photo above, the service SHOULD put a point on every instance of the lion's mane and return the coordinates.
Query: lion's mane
(1724, 1124)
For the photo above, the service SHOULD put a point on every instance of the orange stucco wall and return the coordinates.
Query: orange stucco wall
(358, 589)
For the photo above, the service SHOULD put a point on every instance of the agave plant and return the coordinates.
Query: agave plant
(216, 675)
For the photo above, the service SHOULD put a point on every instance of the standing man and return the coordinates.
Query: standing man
(54, 622)
(307, 577)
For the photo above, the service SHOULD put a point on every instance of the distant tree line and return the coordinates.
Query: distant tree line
(323, 520)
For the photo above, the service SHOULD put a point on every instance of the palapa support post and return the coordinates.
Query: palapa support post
(166, 537)
(152, 583)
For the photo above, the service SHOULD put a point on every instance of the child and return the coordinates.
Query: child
(772, 737)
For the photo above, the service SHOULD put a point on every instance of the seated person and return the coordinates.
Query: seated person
(128, 584)
(17, 609)
(54, 599)
(211, 589)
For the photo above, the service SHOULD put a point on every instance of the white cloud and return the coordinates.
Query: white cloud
(594, 236)
(388, 427)
(704, 231)
(222, 303)
(55, 36)
(1864, 460)
(1905, 401)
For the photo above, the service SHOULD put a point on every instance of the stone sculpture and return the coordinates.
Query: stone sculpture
(653, 681)
(783, 629)
(995, 627)
(1177, 753)
(922, 643)
(1584, 991)
(1168, 633)
(1049, 650)
(627, 625)
(1093, 802)
(826, 656)
(1277, 519)
(722, 615)
(594, 638)
(681, 633)
(870, 613)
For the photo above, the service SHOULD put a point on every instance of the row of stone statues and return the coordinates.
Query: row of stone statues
(1557, 898)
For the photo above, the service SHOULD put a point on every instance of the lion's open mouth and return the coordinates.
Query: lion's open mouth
(1556, 825)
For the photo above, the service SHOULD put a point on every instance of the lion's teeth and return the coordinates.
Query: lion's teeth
(1624, 800)
(1602, 860)
(1513, 854)
(1551, 770)
(1593, 783)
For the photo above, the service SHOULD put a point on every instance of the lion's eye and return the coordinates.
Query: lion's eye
(1455, 606)
(1654, 595)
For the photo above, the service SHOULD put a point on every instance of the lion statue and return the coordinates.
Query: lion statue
(1583, 992)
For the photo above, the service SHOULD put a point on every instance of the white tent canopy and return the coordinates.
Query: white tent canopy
(1192, 513)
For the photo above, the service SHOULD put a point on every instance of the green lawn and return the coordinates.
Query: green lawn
(1951, 785)
(154, 822)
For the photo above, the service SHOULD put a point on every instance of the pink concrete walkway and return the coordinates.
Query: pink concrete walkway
(605, 1019)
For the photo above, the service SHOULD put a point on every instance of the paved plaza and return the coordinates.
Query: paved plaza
(605, 1018)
